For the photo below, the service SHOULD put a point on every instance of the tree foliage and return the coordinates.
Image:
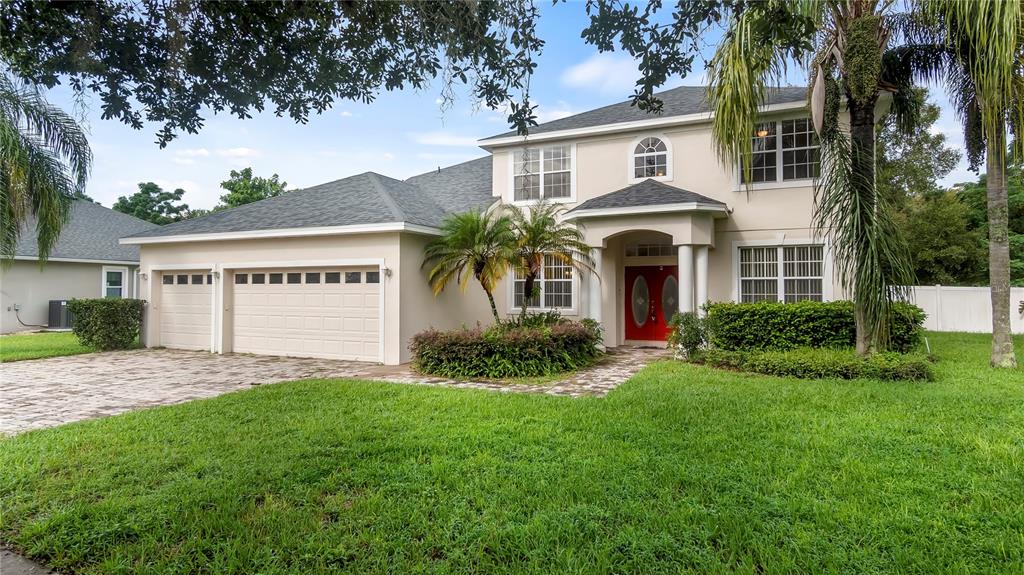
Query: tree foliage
(154, 204)
(974, 196)
(244, 188)
(44, 162)
(173, 61)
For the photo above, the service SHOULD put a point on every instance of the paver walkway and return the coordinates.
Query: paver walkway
(48, 392)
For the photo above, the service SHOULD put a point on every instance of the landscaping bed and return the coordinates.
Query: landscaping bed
(682, 469)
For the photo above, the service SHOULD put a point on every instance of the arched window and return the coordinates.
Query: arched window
(650, 159)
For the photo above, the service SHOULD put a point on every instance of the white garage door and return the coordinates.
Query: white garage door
(185, 309)
(327, 313)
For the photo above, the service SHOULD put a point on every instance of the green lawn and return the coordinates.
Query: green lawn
(40, 345)
(682, 469)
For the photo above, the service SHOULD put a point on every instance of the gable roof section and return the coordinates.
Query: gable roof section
(647, 193)
(682, 101)
(366, 198)
(91, 234)
(460, 187)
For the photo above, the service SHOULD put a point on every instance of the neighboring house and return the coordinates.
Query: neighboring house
(336, 270)
(87, 262)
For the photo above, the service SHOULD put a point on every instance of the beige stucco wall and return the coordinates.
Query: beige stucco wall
(25, 284)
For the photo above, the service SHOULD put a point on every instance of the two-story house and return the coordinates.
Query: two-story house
(335, 270)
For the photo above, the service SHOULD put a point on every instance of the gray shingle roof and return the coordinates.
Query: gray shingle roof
(366, 198)
(91, 234)
(677, 102)
(460, 187)
(645, 193)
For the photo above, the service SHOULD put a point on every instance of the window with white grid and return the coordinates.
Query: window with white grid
(800, 275)
(784, 150)
(541, 172)
(554, 286)
(650, 159)
(759, 274)
(802, 272)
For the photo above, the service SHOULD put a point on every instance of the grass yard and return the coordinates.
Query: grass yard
(39, 345)
(682, 469)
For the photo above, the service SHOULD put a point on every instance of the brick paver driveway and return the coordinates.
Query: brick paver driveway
(48, 392)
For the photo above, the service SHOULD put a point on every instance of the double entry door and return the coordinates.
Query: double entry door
(652, 298)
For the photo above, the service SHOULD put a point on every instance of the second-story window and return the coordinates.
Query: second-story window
(784, 150)
(542, 172)
(650, 159)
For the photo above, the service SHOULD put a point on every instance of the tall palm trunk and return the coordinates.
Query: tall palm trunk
(999, 254)
(529, 284)
(862, 157)
(494, 308)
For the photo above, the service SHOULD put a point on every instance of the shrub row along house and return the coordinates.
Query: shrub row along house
(335, 270)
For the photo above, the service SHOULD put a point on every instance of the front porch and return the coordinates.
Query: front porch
(651, 247)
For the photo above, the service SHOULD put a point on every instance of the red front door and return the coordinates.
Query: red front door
(652, 298)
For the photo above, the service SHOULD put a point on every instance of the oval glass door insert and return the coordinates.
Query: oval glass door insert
(641, 301)
(669, 298)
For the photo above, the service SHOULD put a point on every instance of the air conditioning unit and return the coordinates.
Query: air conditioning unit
(60, 317)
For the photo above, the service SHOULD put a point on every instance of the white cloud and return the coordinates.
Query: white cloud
(183, 161)
(612, 74)
(238, 153)
(192, 153)
(443, 138)
(346, 114)
(555, 112)
(388, 156)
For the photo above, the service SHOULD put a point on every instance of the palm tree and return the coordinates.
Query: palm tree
(845, 43)
(981, 62)
(44, 163)
(539, 233)
(478, 244)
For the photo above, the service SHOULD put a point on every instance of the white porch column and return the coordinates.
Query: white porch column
(685, 278)
(701, 277)
(594, 303)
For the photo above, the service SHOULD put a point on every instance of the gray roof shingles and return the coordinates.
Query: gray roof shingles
(367, 198)
(460, 187)
(645, 193)
(91, 234)
(680, 101)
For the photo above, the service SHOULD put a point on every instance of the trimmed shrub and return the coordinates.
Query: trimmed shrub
(507, 350)
(810, 363)
(687, 334)
(107, 323)
(782, 326)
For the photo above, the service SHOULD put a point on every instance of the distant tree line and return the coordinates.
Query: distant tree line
(154, 204)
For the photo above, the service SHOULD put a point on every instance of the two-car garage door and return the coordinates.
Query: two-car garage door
(331, 313)
(328, 313)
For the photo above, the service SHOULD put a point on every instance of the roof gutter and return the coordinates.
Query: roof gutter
(681, 120)
(285, 233)
(578, 214)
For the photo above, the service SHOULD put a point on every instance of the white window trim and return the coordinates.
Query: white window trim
(124, 280)
(827, 278)
(631, 173)
(572, 310)
(779, 183)
(511, 194)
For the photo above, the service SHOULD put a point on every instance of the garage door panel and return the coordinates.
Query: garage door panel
(186, 309)
(319, 319)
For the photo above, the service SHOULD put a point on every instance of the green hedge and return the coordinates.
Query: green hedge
(810, 363)
(782, 326)
(107, 323)
(507, 350)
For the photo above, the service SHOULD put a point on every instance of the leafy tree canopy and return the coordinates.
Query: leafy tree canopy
(244, 188)
(974, 194)
(163, 61)
(153, 204)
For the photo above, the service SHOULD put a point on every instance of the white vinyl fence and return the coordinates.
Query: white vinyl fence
(964, 308)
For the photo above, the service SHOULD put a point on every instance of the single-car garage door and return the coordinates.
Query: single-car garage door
(327, 313)
(185, 309)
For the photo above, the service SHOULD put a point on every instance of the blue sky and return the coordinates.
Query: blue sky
(400, 134)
